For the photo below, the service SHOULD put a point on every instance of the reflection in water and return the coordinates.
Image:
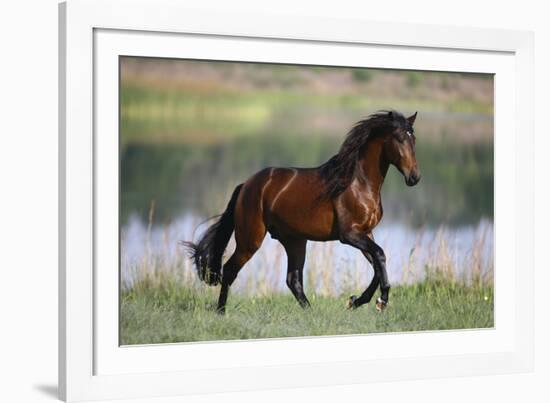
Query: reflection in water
(199, 179)
(331, 267)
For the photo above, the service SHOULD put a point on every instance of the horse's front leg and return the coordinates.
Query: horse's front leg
(376, 256)
(355, 301)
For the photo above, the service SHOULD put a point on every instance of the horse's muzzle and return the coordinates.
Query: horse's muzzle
(412, 179)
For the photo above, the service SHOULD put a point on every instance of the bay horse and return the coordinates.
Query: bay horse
(339, 200)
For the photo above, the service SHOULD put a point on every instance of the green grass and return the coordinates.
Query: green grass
(165, 311)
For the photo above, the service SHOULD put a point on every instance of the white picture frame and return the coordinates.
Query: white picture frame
(92, 365)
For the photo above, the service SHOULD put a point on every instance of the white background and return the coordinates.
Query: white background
(28, 200)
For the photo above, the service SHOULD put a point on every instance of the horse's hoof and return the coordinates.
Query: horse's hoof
(380, 305)
(351, 302)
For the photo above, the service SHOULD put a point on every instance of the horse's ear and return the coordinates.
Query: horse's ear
(412, 118)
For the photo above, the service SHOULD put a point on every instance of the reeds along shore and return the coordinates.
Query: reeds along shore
(331, 269)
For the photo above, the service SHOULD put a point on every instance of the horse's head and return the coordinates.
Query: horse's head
(400, 149)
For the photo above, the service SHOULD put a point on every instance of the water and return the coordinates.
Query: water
(330, 268)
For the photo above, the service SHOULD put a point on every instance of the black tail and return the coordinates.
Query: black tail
(208, 252)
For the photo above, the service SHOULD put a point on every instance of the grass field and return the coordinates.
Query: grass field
(166, 312)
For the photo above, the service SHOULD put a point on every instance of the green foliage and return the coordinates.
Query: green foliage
(414, 79)
(168, 115)
(362, 75)
(166, 312)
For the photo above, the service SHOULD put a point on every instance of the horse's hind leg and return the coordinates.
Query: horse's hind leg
(296, 253)
(247, 245)
(230, 270)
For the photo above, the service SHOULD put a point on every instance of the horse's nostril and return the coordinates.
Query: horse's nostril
(412, 179)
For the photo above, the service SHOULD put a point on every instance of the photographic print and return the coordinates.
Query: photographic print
(266, 200)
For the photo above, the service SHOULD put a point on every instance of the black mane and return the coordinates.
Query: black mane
(338, 172)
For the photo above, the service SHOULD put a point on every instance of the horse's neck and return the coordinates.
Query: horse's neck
(373, 168)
